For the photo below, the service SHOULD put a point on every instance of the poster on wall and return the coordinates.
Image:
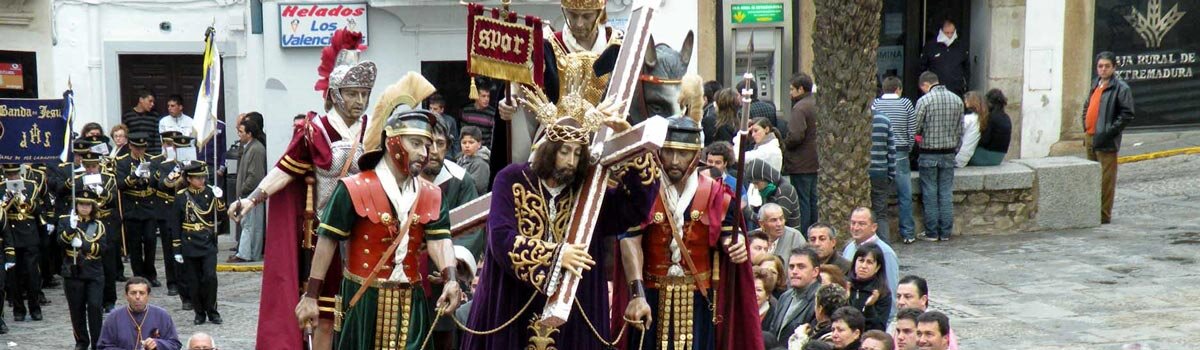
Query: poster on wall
(12, 76)
(1156, 45)
(312, 25)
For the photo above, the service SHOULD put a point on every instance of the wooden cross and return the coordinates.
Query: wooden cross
(608, 149)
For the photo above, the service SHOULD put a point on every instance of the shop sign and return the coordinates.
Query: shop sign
(12, 77)
(1156, 47)
(312, 25)
(756, 13)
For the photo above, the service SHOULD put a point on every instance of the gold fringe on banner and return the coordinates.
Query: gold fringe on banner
(489, 67)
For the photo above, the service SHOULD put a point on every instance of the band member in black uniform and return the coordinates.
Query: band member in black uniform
(22, 203)
(58, 179)
(197, 208)
(169, 175)
(107, 211)
(135, 180)
(83, 240)
(50, 256)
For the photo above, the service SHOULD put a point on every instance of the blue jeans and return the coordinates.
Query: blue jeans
(904, 193)
(881, 193)
(937, 193)
(806, 192)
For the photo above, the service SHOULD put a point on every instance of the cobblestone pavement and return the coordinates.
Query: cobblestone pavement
(1134, 281)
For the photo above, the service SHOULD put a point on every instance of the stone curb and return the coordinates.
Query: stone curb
(1157, 155)
(239, 268)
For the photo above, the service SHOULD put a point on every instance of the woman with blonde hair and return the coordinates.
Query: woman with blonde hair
(976, 117)
(120, 139)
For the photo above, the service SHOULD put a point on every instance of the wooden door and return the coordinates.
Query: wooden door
(163, 76)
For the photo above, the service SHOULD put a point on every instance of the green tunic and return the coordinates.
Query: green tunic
(384, 318)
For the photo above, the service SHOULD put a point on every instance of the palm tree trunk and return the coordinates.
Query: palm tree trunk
(844, 47)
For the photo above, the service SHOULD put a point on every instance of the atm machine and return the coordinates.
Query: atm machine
(771, 24)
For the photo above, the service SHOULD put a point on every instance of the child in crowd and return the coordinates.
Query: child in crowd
(475, 157)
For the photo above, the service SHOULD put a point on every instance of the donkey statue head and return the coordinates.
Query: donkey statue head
(658, 91)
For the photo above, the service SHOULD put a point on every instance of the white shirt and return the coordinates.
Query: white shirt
(768, 152)
(183, 124)
(970, 139)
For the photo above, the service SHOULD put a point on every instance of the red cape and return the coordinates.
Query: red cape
(277, 324)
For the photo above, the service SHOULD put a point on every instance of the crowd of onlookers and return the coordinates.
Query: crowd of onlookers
(812, 297)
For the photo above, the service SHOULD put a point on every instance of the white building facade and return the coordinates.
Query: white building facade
(100, 46)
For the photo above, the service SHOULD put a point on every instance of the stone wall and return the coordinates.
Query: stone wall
(986, 212)
(1019, 196)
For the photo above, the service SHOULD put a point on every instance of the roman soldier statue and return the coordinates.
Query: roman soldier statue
(323, 149)
(677, 262)
(384, 217)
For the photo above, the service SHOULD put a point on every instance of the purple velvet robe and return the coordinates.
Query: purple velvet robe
(119, 331)
(512, 275)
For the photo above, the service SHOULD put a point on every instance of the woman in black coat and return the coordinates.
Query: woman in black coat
(868, 286)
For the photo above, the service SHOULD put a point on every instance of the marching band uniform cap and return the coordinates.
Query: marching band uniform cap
(139, 140)
(196, 168)
(11, 168)
(86, 195)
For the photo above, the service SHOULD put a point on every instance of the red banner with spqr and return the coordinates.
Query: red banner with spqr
(505, 46)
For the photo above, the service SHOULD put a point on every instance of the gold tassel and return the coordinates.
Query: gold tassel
(474, 91)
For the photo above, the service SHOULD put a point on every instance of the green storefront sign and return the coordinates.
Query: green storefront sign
(756, 13)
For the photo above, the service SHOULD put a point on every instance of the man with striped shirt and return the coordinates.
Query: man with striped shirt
(882, 169)
(939, 122)
(903, 116)
(142, 120)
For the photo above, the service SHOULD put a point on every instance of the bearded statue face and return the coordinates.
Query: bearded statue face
(678, 163)
(437, 154)
(351, 102)
(408, 153)
(562, 162)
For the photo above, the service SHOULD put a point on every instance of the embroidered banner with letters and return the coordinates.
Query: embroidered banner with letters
(500, 45)
(32, 131)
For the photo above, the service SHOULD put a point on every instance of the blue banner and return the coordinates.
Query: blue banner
(32, 131)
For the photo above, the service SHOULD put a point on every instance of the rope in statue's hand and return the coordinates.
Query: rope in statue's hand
(464, 327)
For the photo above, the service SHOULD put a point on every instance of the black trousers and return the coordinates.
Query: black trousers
(3, 292)
(174, 269)
(113, 267)
(87, 313)
(51, 257)
(139, 245)
(28, 282)
(201, 275)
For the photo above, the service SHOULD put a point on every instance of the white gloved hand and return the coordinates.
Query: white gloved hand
(50, 228)
(76, 242)
(98, 189)
(74, 221)
(217, 191)
(179, 258)
(9, 266)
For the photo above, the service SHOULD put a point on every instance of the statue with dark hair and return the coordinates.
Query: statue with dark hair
(531, 208)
